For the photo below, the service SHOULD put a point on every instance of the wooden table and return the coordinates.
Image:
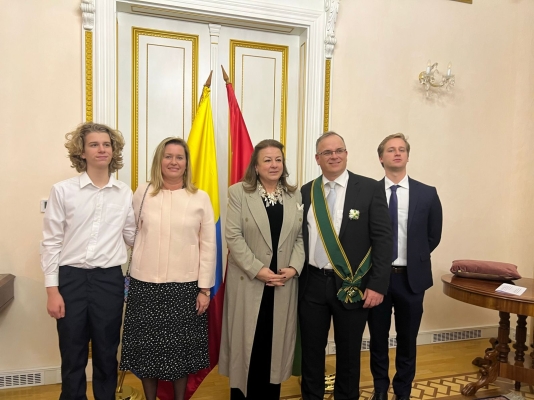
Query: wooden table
(7, 291)
(498, 361)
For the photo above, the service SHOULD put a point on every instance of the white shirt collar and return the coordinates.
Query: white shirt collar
(341, 180)
(86, 180)
(404, 183)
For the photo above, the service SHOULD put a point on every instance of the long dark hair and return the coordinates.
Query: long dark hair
(250, 180)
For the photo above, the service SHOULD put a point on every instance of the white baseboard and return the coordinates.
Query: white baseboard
(52, 375)
(36, 377)
(437, 336)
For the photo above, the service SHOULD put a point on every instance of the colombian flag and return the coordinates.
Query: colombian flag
(201, 144)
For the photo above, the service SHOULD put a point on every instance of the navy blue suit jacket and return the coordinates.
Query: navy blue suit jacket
(372, 228)
(425, 220)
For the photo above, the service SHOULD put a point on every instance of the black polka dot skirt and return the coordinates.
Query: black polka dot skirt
(163, 336)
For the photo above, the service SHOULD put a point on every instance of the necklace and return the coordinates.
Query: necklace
(271, 199)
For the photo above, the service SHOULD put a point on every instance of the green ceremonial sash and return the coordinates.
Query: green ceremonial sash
(350, 289)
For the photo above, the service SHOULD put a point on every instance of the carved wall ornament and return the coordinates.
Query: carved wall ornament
(215, 31)
(331, 8)
(88, 14)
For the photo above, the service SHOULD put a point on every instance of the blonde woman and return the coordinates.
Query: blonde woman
(172, 271)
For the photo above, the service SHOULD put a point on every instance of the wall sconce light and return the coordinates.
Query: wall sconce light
(431, 77)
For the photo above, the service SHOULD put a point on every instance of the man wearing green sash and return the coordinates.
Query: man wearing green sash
(348, 244)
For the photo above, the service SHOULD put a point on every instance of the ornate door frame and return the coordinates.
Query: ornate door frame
(99, 54)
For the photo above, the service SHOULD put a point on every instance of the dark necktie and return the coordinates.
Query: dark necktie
(394, 216)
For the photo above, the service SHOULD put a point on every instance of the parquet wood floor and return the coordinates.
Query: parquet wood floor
(442, 369)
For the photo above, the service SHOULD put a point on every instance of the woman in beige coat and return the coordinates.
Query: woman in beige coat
(263, 233)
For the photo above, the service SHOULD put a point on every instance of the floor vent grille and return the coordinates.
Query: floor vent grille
(366, 343)
(458, 335)
(21, 380)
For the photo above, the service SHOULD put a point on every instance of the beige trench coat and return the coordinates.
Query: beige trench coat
(249, 240)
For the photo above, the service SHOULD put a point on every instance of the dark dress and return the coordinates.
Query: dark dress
(163, 336)
(258, 385)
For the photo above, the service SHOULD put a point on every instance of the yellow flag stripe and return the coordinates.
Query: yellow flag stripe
(201, 144)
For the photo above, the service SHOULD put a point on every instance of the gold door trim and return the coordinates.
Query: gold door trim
(136, 33)
(301, 111)
(285, 56)
(326, 120)
(88, 76)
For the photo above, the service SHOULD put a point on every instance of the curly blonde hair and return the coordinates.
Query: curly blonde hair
(76, 140)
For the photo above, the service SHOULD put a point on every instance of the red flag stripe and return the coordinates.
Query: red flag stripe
(240, 139)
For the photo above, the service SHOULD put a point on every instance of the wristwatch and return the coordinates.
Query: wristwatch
(205, 292)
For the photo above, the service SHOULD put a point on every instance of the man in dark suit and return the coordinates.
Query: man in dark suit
(416, 217)
(346, 272)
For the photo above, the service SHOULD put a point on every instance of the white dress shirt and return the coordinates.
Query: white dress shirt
(403, 202)
(86, 226)
(341, 188)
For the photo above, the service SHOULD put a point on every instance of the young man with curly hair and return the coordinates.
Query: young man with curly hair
(88, 222)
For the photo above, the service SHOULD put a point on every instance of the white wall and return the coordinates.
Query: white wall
(473, 144)
(40, 101)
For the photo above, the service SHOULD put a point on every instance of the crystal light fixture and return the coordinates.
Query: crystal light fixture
(431, 77)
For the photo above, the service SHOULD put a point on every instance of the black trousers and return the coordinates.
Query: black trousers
(318, 305)
(408, 308)
(94, 300)
(259, 386)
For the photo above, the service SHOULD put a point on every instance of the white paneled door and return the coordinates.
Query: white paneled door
(163, 64)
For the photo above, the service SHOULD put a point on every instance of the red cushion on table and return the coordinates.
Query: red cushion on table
(493, 269)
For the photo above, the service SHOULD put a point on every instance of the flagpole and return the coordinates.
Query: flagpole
(225, 76)
(208, 81)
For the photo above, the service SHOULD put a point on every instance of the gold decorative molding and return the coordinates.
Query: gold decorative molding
(136, 33)
(301, 112)
(88, 75)
(284, 50)
(327, 95)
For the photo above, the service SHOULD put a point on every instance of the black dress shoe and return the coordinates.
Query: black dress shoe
(402, 397)
(379, 396)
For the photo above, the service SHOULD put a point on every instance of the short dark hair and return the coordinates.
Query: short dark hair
(324, 136)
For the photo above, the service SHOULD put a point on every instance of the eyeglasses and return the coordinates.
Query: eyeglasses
(330, 153)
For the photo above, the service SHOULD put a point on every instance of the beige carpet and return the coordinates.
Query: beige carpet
(425, 389)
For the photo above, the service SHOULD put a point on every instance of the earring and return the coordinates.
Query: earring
(257, 173)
